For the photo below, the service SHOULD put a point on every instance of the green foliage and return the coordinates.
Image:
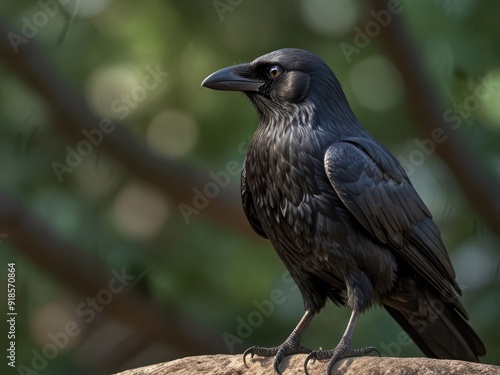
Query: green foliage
(209, 272)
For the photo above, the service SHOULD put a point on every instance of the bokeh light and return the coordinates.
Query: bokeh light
(86, 8)
(330, 17)
(51, 320)
(376, 83)
(172, 133)
(476, 263)
(108, 86)
(139, 211)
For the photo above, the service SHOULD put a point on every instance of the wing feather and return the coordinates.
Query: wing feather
(376, 190)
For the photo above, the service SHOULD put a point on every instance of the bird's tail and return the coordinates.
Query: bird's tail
(443, 333)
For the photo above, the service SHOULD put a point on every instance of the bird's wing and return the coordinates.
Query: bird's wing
(376, 190)
(248, 205)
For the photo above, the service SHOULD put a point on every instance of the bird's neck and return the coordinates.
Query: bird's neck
(332, 120)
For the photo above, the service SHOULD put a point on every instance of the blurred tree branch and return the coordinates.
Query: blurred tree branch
(480, 188)
(59, 257)
(86, 276)
(71, 116)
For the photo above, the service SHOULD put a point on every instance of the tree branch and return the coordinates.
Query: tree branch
(294, 365)
(72, 116)
(480, 188)
(87, 277)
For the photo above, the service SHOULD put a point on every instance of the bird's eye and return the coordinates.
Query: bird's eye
(275, 71)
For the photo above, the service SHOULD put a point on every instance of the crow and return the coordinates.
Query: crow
(341, 212)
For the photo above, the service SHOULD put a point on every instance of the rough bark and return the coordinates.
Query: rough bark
(294, 365)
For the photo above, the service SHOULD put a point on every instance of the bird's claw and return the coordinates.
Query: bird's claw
(341, 351)
(247, 352)
(263, 352)
(313, 356)
(280, 352)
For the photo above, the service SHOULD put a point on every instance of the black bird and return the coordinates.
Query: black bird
(341, 212)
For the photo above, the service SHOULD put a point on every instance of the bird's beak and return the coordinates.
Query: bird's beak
(228, 79)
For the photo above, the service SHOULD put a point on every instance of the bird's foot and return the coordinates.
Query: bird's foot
(289, 347)
(341, 351)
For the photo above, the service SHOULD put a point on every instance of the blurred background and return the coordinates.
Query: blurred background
(119, 176)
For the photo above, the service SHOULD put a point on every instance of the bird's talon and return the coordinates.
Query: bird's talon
(310, 358)
(247, 352)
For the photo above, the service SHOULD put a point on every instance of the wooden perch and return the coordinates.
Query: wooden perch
(294, 365)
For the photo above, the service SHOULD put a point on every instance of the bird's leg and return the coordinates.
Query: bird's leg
(290, 346)
(343, 349)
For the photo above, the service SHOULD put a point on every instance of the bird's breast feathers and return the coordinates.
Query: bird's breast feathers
(285, 174)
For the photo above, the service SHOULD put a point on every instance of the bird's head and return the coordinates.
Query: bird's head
(280, 80)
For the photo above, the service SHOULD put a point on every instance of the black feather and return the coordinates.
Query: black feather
(339, 209)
